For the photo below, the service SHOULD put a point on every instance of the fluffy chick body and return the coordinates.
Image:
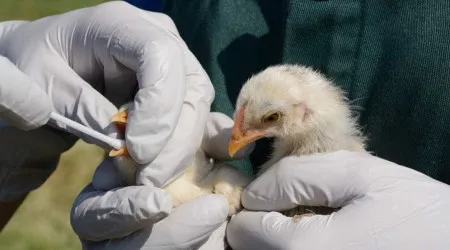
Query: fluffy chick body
(202, 176)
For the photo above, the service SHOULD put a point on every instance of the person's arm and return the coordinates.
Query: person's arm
(8, 209)
(23, 105)
(383, 206)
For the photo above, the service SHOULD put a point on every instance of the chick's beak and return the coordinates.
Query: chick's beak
(239, 138)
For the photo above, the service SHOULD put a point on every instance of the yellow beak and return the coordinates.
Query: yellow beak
(239, 138)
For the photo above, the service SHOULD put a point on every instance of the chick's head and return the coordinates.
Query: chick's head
(287, 101)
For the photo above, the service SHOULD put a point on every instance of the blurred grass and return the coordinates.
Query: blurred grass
(42, 222)
(33, 9)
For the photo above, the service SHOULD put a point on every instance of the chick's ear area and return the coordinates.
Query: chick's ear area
(302, 111)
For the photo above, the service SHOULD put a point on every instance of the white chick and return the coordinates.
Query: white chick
(203, 175)
(301, 109)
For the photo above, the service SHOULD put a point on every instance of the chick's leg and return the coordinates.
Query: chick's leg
(121, 117)
(230, 182)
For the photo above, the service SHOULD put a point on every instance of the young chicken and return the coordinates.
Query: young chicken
(203, 175)
(301, 109)
(297, 106)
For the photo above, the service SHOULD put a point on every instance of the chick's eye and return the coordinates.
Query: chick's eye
(271, 118)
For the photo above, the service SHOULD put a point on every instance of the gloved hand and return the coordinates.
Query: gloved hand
(15, 89)
(140, 217)
(91, 60)
(384, 206)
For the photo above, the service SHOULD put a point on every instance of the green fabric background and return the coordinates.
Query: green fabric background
(392, 58)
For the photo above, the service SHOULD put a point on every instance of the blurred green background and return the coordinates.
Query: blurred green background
(42, 221)
(34, 9)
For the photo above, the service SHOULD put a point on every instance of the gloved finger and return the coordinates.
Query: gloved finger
(332, 180)
(23, 103)
(98, 215)
(261, 230)
(186, 139)
(7, 26)
(217, 135)
(188, 227)
(156, 57)
(74, 98)
(107, 176)
(217, 240)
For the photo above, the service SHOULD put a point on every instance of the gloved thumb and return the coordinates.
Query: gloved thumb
(372, 193)
(261, 230)
(217, 135)
(23, 103)
(332, 180)
(77, 100)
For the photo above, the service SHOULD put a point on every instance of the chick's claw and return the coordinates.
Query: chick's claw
(121, 117)
(120, 121)
(121, 152)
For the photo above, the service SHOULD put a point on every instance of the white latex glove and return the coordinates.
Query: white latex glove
(91, 60)
(140, 217)
(385, 206)
(23, 103)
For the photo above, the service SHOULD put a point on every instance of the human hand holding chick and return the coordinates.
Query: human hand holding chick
(92, 60)
(129, 217)
(384, 206)
(88, 62)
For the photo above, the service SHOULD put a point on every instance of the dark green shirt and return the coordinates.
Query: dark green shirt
(391, 57)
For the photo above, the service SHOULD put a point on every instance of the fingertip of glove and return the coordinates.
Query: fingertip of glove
(143, 149)
(158, 204)
(43, 117)
(217, 131)
(209, 209)
(106, 176)
(239, 230)
(217, 203)
(246, 151)
(252, 230)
